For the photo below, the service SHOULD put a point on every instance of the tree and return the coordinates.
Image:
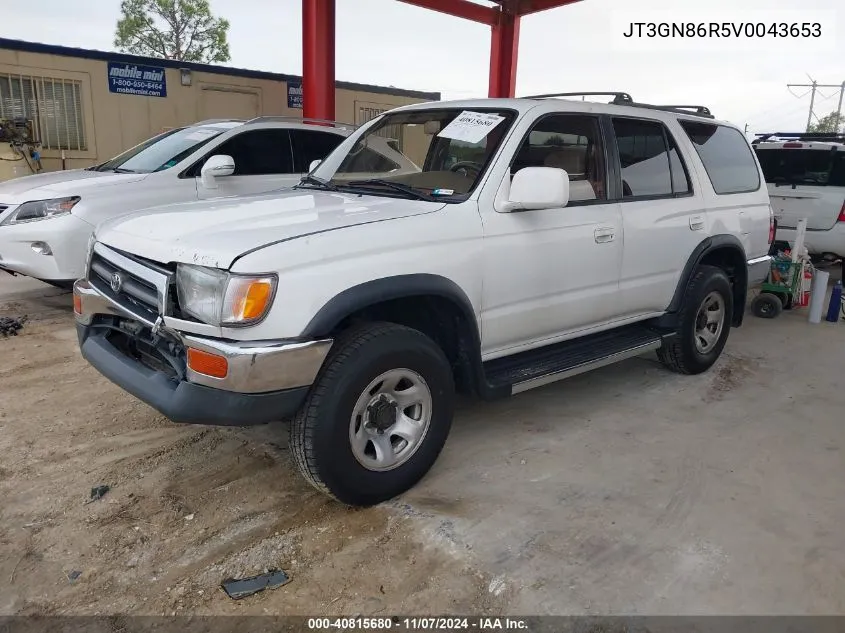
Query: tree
(184, 30)
(833, 122)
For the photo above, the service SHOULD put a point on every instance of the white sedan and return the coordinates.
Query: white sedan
(47, 219)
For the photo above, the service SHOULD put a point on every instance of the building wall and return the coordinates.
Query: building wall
(112, 123)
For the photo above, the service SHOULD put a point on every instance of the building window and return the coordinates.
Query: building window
(391, 132)
(53, 105)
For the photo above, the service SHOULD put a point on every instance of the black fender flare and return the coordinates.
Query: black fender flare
(370, 293)
(376, 291)
(706, 246)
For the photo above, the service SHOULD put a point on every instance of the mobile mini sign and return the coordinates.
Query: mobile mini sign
(132, 79)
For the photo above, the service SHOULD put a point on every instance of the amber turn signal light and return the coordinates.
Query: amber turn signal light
(207, 364)
(77, 303)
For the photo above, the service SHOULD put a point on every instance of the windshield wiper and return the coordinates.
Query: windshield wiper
(396, 186)
(325, 184)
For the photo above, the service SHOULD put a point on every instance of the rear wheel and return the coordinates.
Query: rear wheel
(377, 416)
(704, 323)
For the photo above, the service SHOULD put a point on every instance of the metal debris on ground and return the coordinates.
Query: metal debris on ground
(10, 326)
(98, 492)
(241, 588)
(72, 576)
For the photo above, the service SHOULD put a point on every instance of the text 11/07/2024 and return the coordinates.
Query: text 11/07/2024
(418, 624)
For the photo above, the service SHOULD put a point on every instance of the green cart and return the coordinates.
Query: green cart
(781, 290)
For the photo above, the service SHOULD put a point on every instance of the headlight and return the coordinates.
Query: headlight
(41, 210)
(219, 298)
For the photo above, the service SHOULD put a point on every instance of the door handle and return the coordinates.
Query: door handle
(696, 222)
(606, 234)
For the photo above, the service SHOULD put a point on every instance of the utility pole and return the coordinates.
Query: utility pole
(813, 88)
(839, 110)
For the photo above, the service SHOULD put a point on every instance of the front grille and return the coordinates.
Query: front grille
(138, 286)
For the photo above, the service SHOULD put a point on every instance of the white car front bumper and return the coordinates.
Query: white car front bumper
(67, 236)
(818, 242)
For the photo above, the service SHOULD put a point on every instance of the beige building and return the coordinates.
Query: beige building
(91, 105)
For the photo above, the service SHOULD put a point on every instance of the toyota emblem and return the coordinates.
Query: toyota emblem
(116, 282)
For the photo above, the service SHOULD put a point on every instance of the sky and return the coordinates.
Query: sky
(576, 47)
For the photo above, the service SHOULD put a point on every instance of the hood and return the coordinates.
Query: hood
(216, 232)
(59, 183)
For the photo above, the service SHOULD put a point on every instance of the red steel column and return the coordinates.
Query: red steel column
(318, 39)
(504, 46)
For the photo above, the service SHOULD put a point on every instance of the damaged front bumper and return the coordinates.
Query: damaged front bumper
(264, 381)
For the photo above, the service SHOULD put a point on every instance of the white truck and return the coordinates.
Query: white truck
(519, 242)
(805, 174)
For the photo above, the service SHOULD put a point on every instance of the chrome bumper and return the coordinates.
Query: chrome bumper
(253, 367)
(758, 270)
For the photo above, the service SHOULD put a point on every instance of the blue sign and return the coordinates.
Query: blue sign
(295, 94)
(132, 79)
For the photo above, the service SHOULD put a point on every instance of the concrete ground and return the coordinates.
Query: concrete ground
(629, 490)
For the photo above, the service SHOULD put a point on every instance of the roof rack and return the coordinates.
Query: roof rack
(296, 119)
(830, 137)
(623, 98)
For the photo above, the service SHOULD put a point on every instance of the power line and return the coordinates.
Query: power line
(814, 86)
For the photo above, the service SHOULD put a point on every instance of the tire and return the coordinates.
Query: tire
(337, 438)
(767, 305)
(685, 353)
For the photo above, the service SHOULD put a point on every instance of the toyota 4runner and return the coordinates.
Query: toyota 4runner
(517, 242)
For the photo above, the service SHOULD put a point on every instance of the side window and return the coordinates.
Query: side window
(259, 152)
(310, 146)
(726, 155)
(644, 158)
(571, 142)
(680, 177)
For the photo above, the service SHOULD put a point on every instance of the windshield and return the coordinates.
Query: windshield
(803, 166)
(421, 153)
(162, 151)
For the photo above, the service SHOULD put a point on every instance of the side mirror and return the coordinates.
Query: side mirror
(314, 164)
(215, 167)
(538, 188)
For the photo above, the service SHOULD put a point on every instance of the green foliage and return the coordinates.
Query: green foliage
(183, 30)
(833, 122)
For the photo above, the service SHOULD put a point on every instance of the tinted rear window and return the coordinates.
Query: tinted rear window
(726, 155)
(814, 167)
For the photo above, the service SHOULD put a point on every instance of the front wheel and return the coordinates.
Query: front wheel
(377, 416)
(704, 323)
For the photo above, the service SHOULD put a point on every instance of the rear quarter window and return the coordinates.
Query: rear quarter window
(726, 156)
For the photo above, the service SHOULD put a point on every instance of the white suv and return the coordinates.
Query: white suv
(47, 219)
(520, 241)
(806, 179)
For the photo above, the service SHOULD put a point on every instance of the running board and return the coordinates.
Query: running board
(545, 365)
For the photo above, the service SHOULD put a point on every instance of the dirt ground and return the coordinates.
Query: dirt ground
(628, 490)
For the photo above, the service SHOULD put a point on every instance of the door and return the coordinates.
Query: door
(662, 220)
(222, 103)
(309, 146)
(552, 272)
(263, 162)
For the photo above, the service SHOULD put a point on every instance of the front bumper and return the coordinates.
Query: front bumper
(758, 270)
(67, 237)
(266, 381)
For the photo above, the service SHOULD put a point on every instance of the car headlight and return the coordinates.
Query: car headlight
(41, 210)
(219, 298)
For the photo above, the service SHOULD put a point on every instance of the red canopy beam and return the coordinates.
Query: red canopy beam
(318, 73)
(504, 49)
(459, 9)
(525, 7)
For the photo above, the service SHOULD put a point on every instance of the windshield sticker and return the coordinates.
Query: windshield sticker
(200, 135)
(471, 127)
(443, 192)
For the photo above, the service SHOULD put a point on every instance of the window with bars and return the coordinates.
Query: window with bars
(53, 105)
